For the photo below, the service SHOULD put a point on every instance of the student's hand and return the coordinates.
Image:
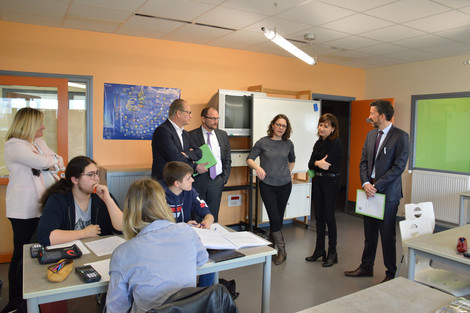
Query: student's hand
(323, 164)
(193, 224)
(91, 231)
(201, 168)
(260, 173)
(102, 192)
(206, 224)
(370, 190)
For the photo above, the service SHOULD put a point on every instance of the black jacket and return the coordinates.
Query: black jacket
(59, 213)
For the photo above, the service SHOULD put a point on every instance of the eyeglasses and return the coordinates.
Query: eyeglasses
(92, 174)
(280, 125)
(212, 118)
(189, 112)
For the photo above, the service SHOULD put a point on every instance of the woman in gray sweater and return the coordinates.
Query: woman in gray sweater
(277, 159)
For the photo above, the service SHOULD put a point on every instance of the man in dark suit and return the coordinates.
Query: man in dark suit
(171, 142)
(384, 158)
(211, 184)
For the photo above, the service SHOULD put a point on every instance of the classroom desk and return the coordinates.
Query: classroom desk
(440, 247)
(395, 296)
(463, 218)
(37, 289)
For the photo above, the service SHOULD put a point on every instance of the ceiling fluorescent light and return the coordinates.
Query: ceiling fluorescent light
(284, 44)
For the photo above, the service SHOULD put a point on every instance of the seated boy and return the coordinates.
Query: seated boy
(182, 198)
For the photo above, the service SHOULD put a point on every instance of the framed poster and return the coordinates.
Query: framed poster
(133, 112)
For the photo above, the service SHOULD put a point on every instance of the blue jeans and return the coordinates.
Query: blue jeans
(206, 280)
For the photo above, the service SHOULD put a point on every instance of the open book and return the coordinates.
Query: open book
(229, 240)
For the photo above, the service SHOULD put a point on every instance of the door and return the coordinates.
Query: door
(360, 110)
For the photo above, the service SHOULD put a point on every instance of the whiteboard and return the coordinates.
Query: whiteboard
(303, 119)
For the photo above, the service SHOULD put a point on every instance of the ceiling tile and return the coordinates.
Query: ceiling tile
(90, 24)
(16, 17)
(458, 34)
(383, 48)
(242, 38)
(407, 10)
(315, 13)
(150, 24)
(358, 5)
(455, 4)
(124, 5)
(196, 34)
(422, 41)
(177, 9)
(441, 22)
(392, 33)
(352, 42)
(230, 18)
(86, 11)
(409, 55)
(265, 7)
(356, 24)
(321, 34)
(47, 8)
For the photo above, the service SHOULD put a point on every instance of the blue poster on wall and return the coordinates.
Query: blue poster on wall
(133, 112)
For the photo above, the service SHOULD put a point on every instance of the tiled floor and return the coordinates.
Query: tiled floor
(295, 284)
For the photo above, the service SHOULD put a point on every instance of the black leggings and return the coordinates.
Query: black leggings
(23, 231)
(275, 200)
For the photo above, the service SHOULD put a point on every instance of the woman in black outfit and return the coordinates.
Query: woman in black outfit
(326, 161)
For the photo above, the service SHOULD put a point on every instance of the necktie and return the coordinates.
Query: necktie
(212, 171)
(377, 143)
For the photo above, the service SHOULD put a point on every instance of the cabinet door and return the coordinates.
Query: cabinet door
(298, 204)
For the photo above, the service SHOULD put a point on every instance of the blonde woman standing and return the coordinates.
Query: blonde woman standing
(28, 160)
(160, 257)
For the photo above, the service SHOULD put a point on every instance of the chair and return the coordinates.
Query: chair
(448, 281)
(214, 299)
(419, 210)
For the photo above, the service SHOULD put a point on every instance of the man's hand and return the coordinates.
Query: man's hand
(370, 190)
(91, 231)
(201, 168)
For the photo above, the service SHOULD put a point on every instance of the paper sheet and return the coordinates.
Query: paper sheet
(105, 246)
(101, 267)
(80, 245)
(219, 239)
(373, 206)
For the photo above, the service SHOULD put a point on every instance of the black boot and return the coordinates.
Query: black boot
(281, 247)
(316, 255)
(331, 259)
(271, 239)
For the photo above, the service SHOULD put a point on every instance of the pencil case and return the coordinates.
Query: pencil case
(47, 256)
(56, 273)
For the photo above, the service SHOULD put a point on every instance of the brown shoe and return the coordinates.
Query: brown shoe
(359, 272)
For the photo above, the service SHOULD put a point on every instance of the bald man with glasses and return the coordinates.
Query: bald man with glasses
(171, 142)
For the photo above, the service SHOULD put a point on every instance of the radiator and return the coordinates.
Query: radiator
(118, 183)
(443, 190)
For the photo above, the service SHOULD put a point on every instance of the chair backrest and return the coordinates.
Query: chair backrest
(418, 210)
(411, 229)
(214, 299)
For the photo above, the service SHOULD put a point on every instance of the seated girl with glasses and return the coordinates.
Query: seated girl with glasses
(77, 206)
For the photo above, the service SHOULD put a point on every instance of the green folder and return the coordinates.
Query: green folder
(311, 173)
(207, 157)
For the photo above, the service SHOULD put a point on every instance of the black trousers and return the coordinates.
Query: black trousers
(388, 237)
(210, 190)
(23, 231)
(275, 200)
(325, 192)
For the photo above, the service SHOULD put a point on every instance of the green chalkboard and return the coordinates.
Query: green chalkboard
(440, 132)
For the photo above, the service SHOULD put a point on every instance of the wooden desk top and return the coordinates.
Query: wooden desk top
(395, 296)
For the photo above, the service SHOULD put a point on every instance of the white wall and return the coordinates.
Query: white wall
(402, 81)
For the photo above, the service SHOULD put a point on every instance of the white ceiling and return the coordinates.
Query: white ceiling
(356, 33)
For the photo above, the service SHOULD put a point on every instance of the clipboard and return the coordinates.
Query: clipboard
(207, 157)
(372, 207)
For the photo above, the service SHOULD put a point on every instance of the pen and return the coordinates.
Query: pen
(385, 150)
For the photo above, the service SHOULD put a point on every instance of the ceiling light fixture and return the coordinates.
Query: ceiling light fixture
(286, 45)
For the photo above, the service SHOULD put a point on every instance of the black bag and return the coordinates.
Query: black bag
(231, 287)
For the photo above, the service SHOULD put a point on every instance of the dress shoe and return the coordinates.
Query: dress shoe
(330, 260)
(316, 255)
(386, 279)
(359, 272)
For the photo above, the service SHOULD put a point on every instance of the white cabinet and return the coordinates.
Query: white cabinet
(298, 204)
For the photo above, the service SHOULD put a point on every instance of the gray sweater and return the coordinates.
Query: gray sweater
(275, 156)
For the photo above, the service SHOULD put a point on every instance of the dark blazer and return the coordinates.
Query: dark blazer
(197, 138)
(390, 163)
(166, 147)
